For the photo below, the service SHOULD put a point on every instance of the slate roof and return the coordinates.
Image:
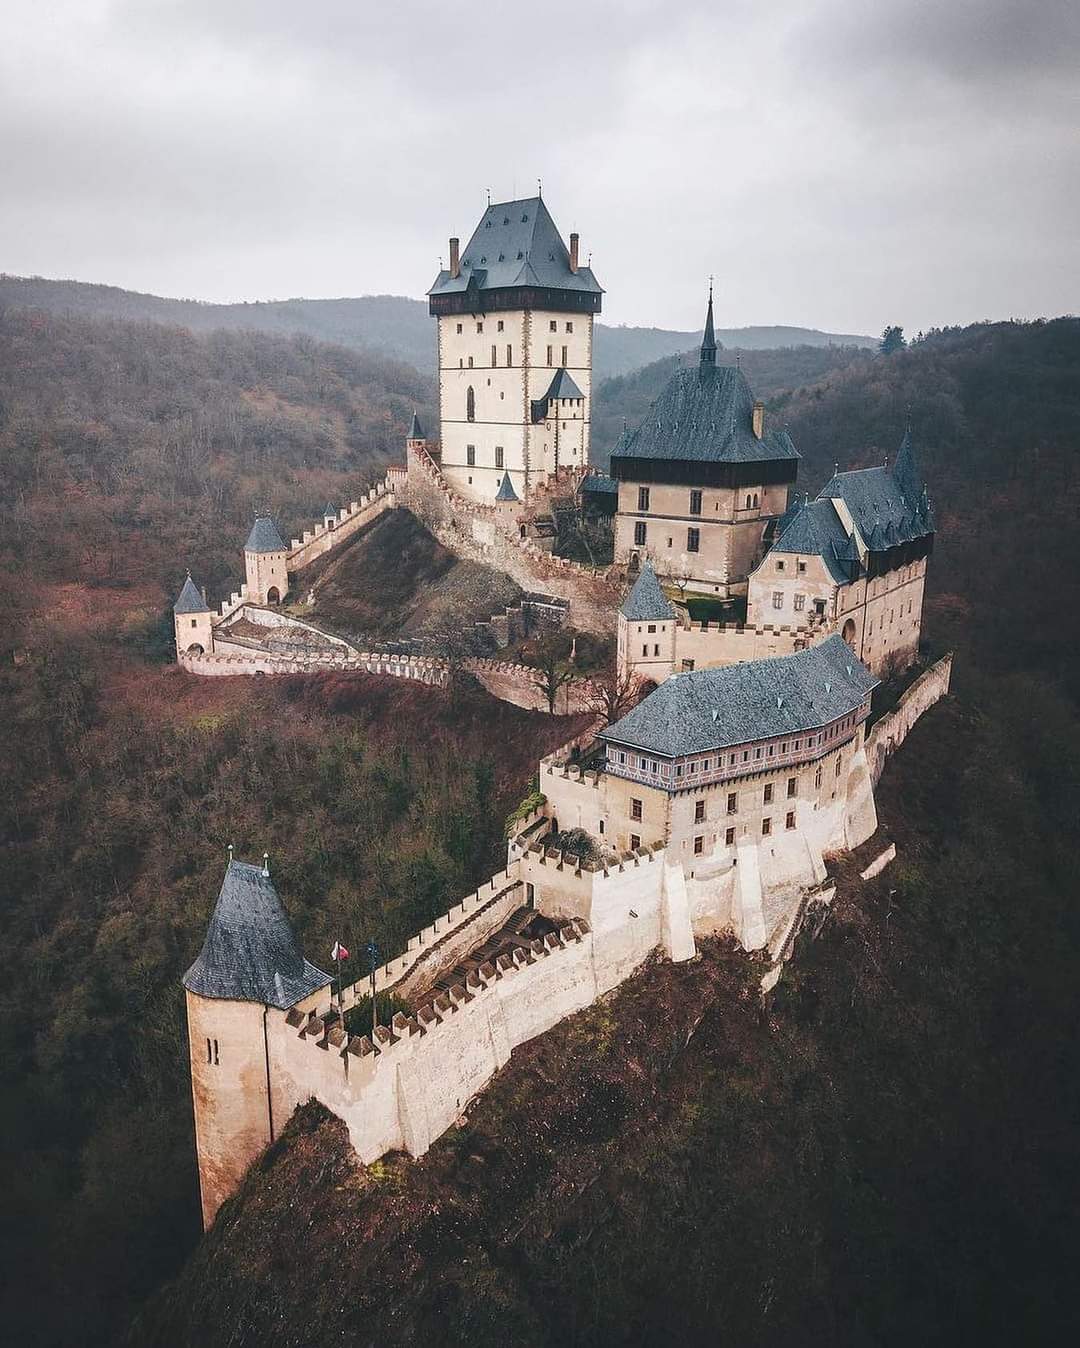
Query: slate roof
(563, 386)
(506, 490)
(190, 600)
(250, 953)
(264, 537)
(647, 602)
(886, 506)
(600, 482)
(704, 415)
(718, 708)
(814, 529)
(416, 431)
(516, 244)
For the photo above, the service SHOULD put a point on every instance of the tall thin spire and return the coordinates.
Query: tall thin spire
(708, 342)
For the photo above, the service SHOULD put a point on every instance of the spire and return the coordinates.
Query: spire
(416, 431)
(905, 470)
(190, 600)
(708, 342)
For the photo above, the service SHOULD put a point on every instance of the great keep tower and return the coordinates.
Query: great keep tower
(515, 317)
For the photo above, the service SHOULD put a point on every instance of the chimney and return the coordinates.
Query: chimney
(455, 262)
(759, 419)
(573, 252)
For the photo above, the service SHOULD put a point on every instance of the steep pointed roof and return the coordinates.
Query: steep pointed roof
(416, 431)
(813, 528)
(704, 415)
(647, 602)
(716, 708)
(887, 510)
(516, 244)
(563, 386)
(264, 536)
(250, 953)
(906, 469)
(708, 341)
(190, 600)
(506, 490)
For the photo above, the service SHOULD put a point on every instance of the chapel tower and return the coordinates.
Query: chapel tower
(515, 322)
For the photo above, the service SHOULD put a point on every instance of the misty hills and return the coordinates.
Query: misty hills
(391, 325)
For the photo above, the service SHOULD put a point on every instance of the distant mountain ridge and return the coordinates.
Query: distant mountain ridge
(391, 325)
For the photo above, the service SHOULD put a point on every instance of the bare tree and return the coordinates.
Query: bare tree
(613, 694)
(552, 671)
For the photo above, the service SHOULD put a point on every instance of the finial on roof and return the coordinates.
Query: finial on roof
(708, 341)
(886, 460)
(836, 465)
(539, 188)
(266, 864)
(488, 191)
(230, 851)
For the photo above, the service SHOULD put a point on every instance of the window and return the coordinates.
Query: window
(766, 827)
(553, 326)
(800, 603)
(601, 828)
(530, 894)
(802, 567)
(194, 622)
(564, 356)
(778, 599)
(789, 821)
(779, 566)
(755, 501)
(839, 764)
(459, 328)
(732, 803)
(817, 778)
(699, 845)
(509, 354)
(757, 752)
(217, 1060)
(748, 503)
(569, 327)
(494, 355)
(644, 650)
(479, 327)
(652, 627)
(635, 842)
(656, 650)
(695, 503)
(498, 456)
(792, 785)
(699, 811)
(209, 1054)
(470, 363)
(635, 809)
(639, 533)
(768, 793)
(500, 325)
(729, 838)
(693, 540)
(643, 498)
(470, 403)
(687, 666)
(470, 456)
(549, 355)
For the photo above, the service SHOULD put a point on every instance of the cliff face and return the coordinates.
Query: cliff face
(878, 1156)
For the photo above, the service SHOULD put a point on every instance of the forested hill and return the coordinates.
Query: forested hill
(131, 450)
(390, 325)
(887, 1156)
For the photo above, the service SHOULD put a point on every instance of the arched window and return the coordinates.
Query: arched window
(470, 404)
(755, 501)
(748, 503)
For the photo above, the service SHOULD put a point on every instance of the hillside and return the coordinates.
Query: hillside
(389, 325)
(883, 1158)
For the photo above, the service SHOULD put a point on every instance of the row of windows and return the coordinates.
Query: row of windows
(470, 456)
(212, 1052)
(468, 362)
(695, 502)
(701, 765)
(778, 601)
(780, 565)
(729, 834)
(553, 326)
(693, 537)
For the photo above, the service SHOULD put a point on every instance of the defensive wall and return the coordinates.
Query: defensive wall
(892, 729)
(314, 543)
(485, 533)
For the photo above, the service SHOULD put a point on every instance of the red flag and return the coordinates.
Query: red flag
(339, 952)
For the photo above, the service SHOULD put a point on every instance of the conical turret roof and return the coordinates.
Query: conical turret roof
(250, 953)
(506, 490)
(190, 600)
(416, 431)
(264, 536)
(647, 602)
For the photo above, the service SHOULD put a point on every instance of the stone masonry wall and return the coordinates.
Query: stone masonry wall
(890, 732)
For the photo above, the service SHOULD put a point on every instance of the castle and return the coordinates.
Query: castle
(712, 806)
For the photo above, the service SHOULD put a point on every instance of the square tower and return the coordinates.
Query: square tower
(515, 320)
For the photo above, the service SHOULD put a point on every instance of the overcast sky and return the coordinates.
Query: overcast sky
(836, 165)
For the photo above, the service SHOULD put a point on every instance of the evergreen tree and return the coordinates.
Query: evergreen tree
(892, 339)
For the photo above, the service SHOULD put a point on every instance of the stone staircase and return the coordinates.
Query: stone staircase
(518, 932)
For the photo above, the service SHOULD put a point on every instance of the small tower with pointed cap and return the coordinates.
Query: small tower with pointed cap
(646, 630)
(192, 622)
(266, 563)
(249, 974)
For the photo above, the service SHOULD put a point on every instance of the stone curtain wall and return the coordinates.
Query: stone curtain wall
(320, 540)
(263, 662)
(893, 728)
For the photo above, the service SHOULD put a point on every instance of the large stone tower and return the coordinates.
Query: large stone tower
(192, 623)
(266, 563)
(249, 973)
(515, 313)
